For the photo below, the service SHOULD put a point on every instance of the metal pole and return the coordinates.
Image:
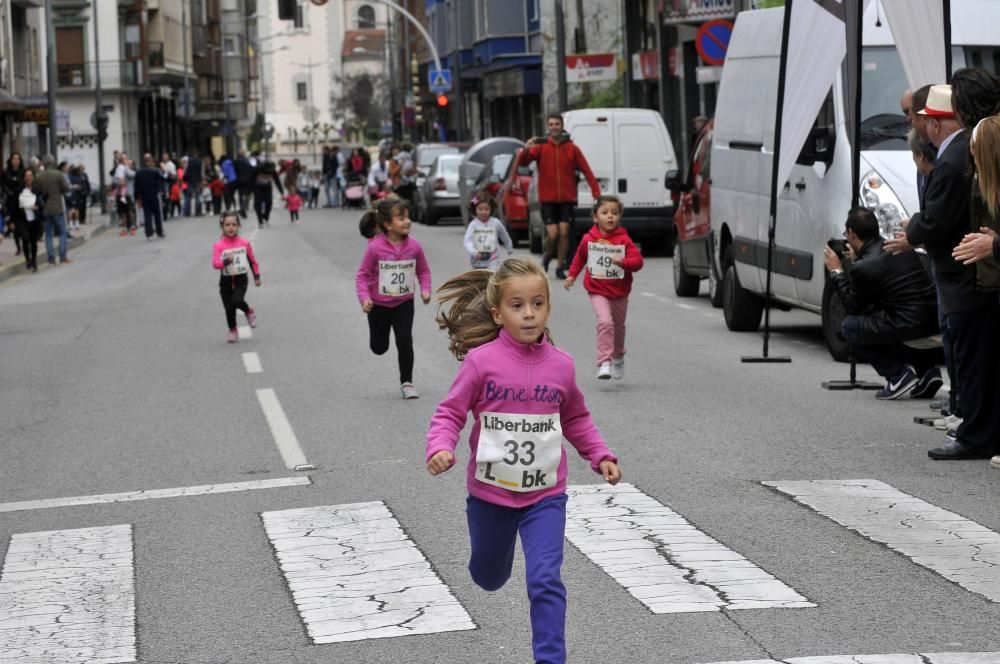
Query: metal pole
(561, 56)
(187, 82)
(53, 80)
(457, 75)
(99, 113)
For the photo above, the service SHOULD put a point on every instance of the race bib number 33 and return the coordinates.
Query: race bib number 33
(599, 257)
(519, 452)
(397, 278)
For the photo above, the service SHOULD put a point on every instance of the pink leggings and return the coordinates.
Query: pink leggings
(610, 314)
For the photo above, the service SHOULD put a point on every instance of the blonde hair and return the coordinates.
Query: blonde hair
(472, 296)
(985, 148)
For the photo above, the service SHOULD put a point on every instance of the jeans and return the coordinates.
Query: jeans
(610, 314)
(53, 223)
(493, 531)
(889, 359)
(189, 193)
(331, 190)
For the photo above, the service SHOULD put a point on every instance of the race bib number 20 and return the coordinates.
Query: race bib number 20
(519, 452)
(396, 278)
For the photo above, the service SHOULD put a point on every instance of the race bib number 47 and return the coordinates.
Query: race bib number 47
(484, 241)
(397, 278)
(599, 257)
(239, 264)
(519, 452)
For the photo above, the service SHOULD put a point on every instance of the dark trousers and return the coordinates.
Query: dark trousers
(294, 214)
(243, 196)
(400, 320)
(153, 216)
(233, 291)
(954, 394)
(230, 195)
(889, 359)
(977, 368)
(493, 531)
(29, 232)
(216, 205)
(263, 199)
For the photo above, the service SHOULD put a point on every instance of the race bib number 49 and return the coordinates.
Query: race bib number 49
(397, 278)
(599, 257)
(484, 241)
(519, 452)
(239, 264)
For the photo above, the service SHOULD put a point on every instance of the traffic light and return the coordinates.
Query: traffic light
(442, 101)
(286, 10)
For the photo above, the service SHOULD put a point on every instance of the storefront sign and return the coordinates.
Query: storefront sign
(696, 11)
(646, 65)
(588, 67)
(36, 114)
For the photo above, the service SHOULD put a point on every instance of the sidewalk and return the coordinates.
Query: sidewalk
(12, 265)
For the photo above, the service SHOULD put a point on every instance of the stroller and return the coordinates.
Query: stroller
(354, 193)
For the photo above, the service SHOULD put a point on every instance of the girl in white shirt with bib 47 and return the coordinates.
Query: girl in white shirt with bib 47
(485, 233)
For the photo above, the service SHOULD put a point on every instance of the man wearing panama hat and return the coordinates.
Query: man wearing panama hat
(971, 315)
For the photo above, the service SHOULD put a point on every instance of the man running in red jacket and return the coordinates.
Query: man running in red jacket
(558, 162)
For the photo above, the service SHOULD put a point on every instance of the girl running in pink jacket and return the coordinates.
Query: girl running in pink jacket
(522, 392)
(233, 256)
(390, 272)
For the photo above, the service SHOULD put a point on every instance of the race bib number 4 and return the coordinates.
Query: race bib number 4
(397, 278)
(599, 257)
(240, 264)
(484, 241)
(519, 452)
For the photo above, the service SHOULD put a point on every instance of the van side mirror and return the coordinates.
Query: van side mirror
(818, 147)
(495, 179)
(672, 181)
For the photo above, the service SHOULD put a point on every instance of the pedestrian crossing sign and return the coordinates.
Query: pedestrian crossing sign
(439, 80)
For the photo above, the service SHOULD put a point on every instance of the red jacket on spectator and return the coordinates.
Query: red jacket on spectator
(557, 167)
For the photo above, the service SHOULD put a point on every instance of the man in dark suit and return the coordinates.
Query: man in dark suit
(148, 185)
(971, 314)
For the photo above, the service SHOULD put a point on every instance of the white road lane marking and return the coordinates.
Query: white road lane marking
(355, 575)
(957, 548)
(920, 658)
(664, 561)
(68, 596)
(178, 492)
(244, 331)
(281, 429)
(684, 306)
(252, 363)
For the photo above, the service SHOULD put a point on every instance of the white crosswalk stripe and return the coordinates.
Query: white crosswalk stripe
(958, 549)
(355, 575)
(919, 658)
(68, 597)
(664, 561)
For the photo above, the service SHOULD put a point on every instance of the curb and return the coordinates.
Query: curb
(9, 270)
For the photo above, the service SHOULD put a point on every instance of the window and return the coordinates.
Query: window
(300, 18)
(70, 57)
(533, 13)
(301, 91)
(366, 17)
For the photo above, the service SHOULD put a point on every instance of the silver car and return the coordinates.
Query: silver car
(439, 194)
(475, 161)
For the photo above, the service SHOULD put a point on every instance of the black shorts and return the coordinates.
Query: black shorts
(554, 213)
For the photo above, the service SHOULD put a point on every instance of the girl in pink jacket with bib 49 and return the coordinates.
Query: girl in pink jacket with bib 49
(522, 392)
(233, 256)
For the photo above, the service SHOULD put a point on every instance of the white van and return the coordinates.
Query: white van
(813, 203)
(629, 150)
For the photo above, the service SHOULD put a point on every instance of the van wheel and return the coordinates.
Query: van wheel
(741, 308)
(685, 285)
(534, 242)
(714, 287)
(833, 317)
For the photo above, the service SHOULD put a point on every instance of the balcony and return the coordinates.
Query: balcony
(156, 58)
(113, 75)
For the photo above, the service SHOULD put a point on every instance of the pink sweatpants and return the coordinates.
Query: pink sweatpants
(610, 314)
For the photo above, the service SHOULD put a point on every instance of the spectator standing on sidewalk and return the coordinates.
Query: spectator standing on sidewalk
(558, 159)
(11, 185)
(192, 178)
(244, 181)
(51, 184)
(148, 185)
(84, 192)
(29, 215)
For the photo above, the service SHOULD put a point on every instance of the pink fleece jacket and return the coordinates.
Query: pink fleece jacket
(380, 249)
(225, 243)
(505, 376)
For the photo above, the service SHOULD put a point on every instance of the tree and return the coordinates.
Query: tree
(363, 101)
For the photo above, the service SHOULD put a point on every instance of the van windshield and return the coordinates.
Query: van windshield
(883, 126)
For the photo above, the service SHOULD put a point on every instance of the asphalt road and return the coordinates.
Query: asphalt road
(115, 377)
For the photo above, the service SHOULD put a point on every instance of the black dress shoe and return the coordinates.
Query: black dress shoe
(955, 451)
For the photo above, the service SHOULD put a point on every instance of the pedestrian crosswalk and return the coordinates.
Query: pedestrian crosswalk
(355, 574)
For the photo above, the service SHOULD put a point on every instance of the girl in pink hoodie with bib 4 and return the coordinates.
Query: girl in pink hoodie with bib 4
(522, 392)
(233, 256)
(390, 272)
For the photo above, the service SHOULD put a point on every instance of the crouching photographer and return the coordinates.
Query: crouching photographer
(890, 299)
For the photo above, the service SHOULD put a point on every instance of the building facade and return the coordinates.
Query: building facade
(21, 76)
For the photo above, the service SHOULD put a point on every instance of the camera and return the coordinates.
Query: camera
(839, 246)
(541, 139)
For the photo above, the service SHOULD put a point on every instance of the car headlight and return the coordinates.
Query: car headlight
(878, 196)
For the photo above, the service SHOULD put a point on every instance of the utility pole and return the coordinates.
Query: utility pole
(53, 79)
(102, 126)
(187, 83)
(561, 56)
(457, 75)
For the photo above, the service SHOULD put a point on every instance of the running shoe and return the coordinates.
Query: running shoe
(232, 336)
(604, 371)
(251, 318)
(928, 385)
(408, 391)
(898, 385)
(618, 368)
(995, 462)
(560, 273)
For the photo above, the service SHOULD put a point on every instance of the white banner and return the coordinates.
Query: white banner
(917, 29)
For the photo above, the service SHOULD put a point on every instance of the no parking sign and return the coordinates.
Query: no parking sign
(712, 41)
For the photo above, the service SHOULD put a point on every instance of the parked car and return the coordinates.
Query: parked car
(425, 154)
(630, 151)
(474, 161)
(439, 194)
(491, 177)
(512, 199)
(692, 223)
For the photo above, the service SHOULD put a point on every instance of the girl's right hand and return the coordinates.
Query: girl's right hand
(366, 306)
(568, 282)
(440, 462)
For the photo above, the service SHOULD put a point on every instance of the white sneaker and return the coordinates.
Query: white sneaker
(995, 462)
(408, 391)
(949, 423)
(604, 371)
(618, 368)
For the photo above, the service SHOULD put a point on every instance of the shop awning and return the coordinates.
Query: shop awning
(9, 102)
